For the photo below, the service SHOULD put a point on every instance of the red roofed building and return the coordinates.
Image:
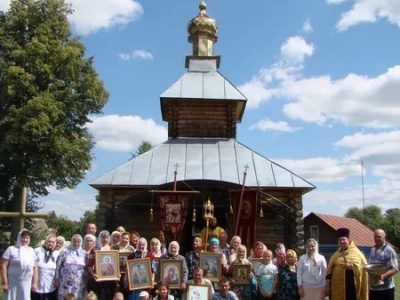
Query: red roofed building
(323, 228)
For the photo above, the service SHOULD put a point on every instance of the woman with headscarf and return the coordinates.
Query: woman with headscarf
(47, 259)
(173, 253)
(240, 259)
(214, 248)
(155, 247)
(19, 271)
(89, 242)
(311, 272)
(140, 253)
(114, 239)
(287, 286)
(60, 241)
(105, 289)
(70, 269)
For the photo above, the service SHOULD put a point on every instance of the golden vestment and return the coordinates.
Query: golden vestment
(211, 233)
(337, 273)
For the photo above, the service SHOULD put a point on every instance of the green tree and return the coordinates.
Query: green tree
(64, 226)
(48, 90)
(392, 226)
(142, 148)
(370, 216)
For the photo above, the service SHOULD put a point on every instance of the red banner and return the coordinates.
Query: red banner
(246, 223)
(173, 214)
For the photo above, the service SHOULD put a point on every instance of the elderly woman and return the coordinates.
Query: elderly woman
(47, 258)
(19, 271)
(114, 240)
(155, 247)
(173, 253)
(60, 241)
(141, 252)
(214, 248)
(240, 259)
(236, 241)
(70, 269)
(287, 286)
(311, 272)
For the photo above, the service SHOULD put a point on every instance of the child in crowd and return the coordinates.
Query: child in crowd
(91, 296)
(118, 296)
(69, 297)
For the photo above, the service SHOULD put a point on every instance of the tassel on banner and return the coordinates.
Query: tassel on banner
(151, 215)
(194, 216)
(261, 214)
(231, 209)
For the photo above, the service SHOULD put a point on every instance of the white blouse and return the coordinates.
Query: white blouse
(311, 271)
(47, 271)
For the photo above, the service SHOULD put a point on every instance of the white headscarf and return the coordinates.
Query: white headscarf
(145, 251)
(99, 241)
(86, 237)
(27, 260)
(315, 258)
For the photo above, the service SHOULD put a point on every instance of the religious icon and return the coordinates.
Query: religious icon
(241, 274)
(139, 274)
(197, 292)
(173, 213)
(211, 264)
(245, 212)
(171, 272)
(107, 265)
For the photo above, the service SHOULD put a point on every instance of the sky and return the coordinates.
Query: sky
(322, 79)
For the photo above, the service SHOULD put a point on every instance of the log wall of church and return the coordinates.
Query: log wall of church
(285, 226)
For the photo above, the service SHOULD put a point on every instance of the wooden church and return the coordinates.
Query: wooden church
(168, 187)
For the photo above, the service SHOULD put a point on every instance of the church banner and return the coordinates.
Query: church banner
(247, 216)
(173, 214)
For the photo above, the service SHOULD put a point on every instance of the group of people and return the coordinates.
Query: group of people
(55, 272)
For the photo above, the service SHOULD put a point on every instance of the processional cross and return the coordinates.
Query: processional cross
(23, 214)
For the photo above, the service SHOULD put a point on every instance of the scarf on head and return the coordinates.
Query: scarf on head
(141, 254)
(292, 268)
(48, 253)
(27, 261)
(71, 245)
(85, 238)
(99, 241)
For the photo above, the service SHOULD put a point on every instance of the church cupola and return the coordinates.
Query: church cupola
(202, 31)
(202, 103)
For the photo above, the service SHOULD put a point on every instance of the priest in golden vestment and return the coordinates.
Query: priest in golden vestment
(346, 276)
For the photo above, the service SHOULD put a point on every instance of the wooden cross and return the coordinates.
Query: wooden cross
(22, 215)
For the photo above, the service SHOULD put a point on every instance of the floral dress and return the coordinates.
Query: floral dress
(70, 271)
(287, 287)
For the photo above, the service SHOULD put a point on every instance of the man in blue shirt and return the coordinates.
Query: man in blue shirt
(382, 253)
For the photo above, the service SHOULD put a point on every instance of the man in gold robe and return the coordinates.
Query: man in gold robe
(346, 276)
(213, 231)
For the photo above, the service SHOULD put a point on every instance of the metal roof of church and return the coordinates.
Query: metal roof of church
(203, 81)
(201, 159)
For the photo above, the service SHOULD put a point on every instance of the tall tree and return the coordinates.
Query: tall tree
(392, 226)
(48, 89)
(142, 148)
(370, 216)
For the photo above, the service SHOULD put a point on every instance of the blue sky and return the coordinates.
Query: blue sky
(322, 78)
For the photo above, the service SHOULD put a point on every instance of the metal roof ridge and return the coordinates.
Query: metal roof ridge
(272, 162)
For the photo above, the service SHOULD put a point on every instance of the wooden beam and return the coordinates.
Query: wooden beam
(22, 215)
(174, 192)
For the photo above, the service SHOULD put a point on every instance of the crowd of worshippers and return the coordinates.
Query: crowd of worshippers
(56, 272)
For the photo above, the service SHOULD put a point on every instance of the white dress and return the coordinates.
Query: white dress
(47, 271)
(19, 281)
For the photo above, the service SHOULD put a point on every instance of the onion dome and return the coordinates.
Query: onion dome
(202, 23)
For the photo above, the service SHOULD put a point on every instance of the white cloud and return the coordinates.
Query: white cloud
(70, 203)
(368, 11)
(307, 27)
(321, 169)
(125, 133)
(124, 56)
(269, 125)
(142, 54)
(295, 49)
(265, 85)
(335, 1)
(91, 16)
(355, 99)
